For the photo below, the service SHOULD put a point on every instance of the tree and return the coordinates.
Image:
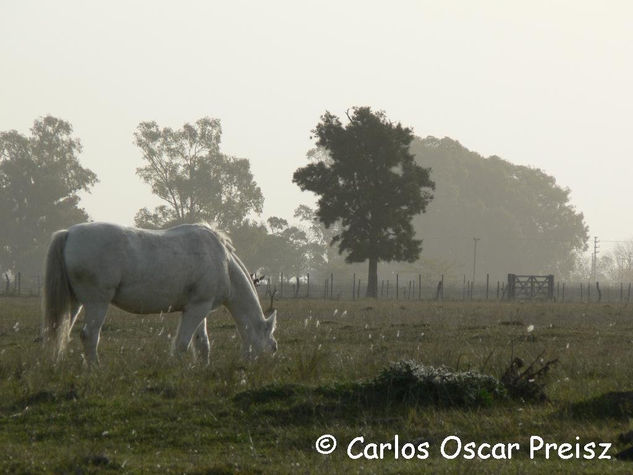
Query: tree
(371, 185)
(523, 218)
(40, 176)
(186, 169)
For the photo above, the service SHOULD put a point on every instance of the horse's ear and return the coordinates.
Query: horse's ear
(272, 321)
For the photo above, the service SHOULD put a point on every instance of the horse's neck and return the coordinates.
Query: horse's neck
(243, 302)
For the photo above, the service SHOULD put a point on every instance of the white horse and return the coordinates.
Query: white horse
(188, 268)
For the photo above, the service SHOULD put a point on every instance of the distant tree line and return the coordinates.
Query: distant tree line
(384, 196)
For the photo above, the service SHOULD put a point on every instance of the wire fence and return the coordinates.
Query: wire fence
(395, 287)
(420, 288)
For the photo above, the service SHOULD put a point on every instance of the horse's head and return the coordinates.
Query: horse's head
(264, 341)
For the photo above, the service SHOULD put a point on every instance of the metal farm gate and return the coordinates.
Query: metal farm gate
(530, 287)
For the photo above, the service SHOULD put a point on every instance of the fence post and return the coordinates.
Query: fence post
(419, 286)
(331, 285)
(382, 288)
(487, 285)
(581, 296)
(281, 284)
(442, 292)
(358, 290)
(308, 284)
(588, 292)
(563, 291)
(354, 287)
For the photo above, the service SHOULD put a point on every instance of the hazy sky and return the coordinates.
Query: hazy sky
(541, 83)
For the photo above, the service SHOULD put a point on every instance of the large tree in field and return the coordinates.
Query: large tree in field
(40, 177)
(524, 219)
(186, 169)
(371, 185)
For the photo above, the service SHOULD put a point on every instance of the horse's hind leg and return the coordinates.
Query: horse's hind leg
(201, 342)
(94, 317)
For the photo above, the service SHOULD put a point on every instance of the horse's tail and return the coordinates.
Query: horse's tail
(58, 295)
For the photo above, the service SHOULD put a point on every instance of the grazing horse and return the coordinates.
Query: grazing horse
(188, 268)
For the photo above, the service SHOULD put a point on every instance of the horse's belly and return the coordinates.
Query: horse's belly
(135, 301)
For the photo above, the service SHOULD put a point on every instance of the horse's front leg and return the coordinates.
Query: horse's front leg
(192, 320)
(201, 343)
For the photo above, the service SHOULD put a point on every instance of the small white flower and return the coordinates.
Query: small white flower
(530, 328)
(335, 312)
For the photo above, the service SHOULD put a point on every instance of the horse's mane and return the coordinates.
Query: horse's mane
(221, 235)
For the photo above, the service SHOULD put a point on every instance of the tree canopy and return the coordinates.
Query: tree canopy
(369, 183)
(40, 178)
(522, 217)
(186, 169)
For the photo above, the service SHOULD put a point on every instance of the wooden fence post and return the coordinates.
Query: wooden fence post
(588, 292)
(487, 285)
(331, 285)
(581, 296)
(281, 283)
(354, 287)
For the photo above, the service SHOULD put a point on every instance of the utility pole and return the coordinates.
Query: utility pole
(475, 240)
(594, 259)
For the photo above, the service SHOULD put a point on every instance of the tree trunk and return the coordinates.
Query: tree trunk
(372, 278)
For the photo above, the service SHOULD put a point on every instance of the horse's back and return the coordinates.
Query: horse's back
(143, 270)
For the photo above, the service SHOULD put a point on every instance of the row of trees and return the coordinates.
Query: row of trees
(40, 178)
(374, 180)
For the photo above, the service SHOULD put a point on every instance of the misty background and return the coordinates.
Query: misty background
(542, 87)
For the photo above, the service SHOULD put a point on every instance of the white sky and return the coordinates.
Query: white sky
(541, 83)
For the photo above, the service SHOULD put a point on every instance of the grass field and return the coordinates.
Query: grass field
(145, 411)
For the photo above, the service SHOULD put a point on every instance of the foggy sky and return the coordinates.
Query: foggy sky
(547, 84)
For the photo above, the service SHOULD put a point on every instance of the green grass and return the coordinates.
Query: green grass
(145, 411)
